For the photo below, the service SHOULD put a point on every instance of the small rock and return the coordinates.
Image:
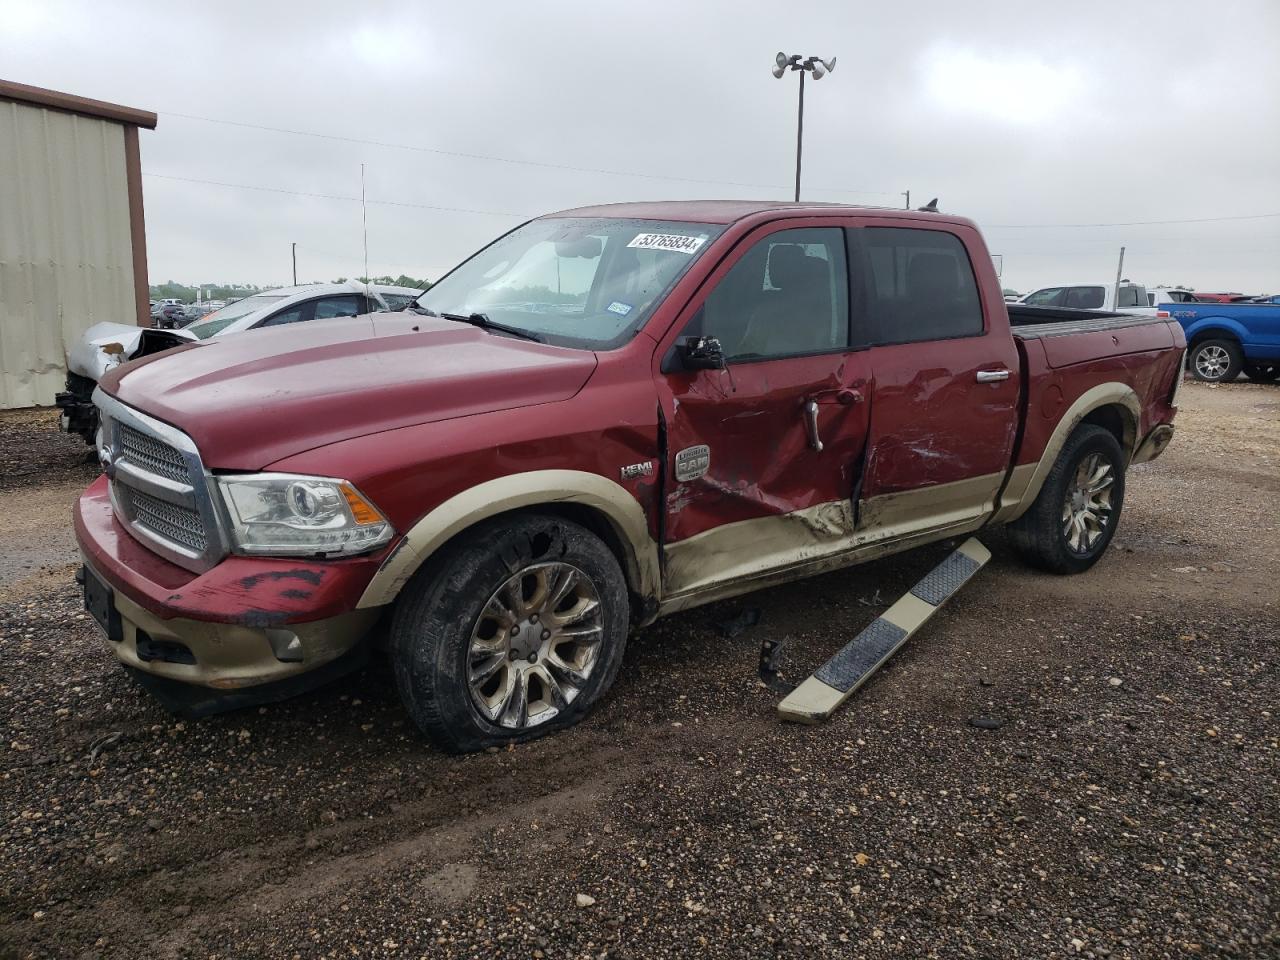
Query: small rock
(1115, 681)
(585, 900)
(986, 723)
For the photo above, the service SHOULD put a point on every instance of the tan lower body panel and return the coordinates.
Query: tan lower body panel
(749, 551)
(840, 677)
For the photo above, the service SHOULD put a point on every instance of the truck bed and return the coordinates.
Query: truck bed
(1077, 336)
(1032, 322)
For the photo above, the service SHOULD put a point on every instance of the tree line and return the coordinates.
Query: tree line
(237, 291)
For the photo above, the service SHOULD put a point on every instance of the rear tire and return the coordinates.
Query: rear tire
(514, 632)
(1263, 372)
(1077, 511)
(1216, 361)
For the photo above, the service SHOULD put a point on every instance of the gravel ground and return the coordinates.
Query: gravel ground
(1126, 805)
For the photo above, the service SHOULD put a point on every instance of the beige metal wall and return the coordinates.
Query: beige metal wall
(66, 258)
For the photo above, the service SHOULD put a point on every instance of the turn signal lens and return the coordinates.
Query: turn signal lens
(362, 510)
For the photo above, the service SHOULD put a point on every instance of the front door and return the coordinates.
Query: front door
(763, 456)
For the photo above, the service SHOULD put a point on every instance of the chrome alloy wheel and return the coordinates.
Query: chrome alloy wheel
(1212, 362)
(1086, 511)
(535, 645)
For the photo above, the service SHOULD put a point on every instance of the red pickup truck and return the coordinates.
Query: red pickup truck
(607, 415)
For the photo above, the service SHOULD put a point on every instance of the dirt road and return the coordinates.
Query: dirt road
(1128, 805)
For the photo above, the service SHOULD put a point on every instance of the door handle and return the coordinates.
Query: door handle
(845, 396)
(992, 376)
(811, 424)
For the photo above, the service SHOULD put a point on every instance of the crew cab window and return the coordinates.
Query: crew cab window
(786, 297)
(921, 285)
(1048, 297)
(1085, 298)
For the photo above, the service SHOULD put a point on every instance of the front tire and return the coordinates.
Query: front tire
(1076, 513)
(515, 631)
(1216, 361)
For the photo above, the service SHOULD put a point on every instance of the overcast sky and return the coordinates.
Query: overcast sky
(1020, 115)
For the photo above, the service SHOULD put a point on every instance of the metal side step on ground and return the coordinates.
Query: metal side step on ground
(840, 677)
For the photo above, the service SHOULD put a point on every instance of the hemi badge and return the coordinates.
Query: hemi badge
(633, 470)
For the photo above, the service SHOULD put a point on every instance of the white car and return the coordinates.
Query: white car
(105, 345)
(1125, 298)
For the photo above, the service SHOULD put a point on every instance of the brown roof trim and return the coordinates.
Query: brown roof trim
(24, 93)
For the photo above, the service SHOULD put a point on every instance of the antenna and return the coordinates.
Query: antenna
(364, 226)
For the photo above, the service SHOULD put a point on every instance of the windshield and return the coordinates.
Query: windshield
(208, 325)
(574, 281)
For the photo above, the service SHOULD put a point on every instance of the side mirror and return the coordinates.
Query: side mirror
(702, 353)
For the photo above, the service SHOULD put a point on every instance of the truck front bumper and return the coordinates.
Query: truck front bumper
(247, 623)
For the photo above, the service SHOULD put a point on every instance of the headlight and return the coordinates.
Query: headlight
(285, 514)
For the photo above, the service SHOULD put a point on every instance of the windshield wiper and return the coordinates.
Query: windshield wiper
(484, 323)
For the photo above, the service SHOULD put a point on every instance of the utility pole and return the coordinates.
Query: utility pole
(1115, 300)
(907, 194)
(295, 263)
(819, 69)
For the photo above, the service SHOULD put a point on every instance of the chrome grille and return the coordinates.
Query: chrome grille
(161, 492)
(169, 521)
(151, 454)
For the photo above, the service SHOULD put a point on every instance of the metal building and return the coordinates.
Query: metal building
(73, 249)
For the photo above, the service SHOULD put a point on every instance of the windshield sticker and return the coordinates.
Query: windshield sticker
(667, 241)
(621, 309)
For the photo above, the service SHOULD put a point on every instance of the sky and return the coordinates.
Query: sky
(1044, 123)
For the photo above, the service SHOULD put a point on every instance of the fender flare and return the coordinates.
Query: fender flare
(618, 506)
(1215, 327)
(1026, 480)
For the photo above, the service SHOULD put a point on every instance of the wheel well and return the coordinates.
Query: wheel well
(591, 519)
(1213, 333)
(1116, 420)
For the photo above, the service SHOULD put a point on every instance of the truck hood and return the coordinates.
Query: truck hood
(255, 398)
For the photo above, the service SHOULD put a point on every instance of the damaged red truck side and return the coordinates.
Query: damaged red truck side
(607, 415)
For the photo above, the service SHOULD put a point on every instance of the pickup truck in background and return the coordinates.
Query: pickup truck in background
(605, 416)
(1226, 339)
(1128, 298)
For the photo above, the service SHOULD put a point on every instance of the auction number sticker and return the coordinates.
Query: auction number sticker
(667, 241)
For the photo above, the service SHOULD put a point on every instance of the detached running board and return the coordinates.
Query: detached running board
(840, 677)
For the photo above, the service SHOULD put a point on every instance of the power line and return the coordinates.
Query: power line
(513, 160)
(1130, 223)
(333, 196)
(525, 216)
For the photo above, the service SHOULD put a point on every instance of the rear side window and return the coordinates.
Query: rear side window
(1085, 298)
(1048, 297)
(345, 306)
(1132, 297)
(920, 286)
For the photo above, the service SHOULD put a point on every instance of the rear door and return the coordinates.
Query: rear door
(763, 457)
(945, 411)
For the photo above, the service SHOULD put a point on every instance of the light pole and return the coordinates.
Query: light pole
(819, 69)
